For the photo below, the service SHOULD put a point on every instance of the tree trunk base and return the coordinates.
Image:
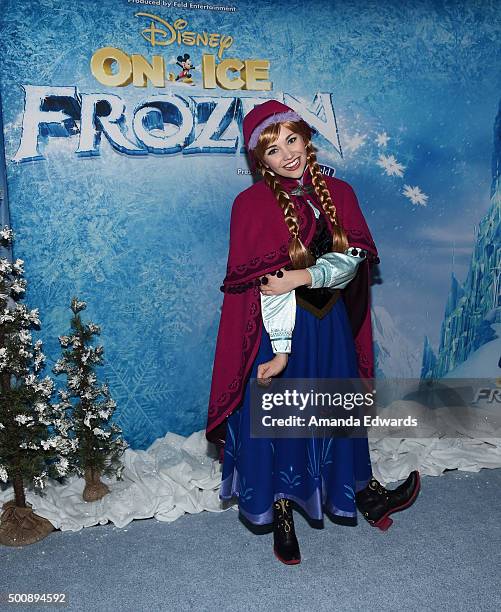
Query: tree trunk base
(21, 526)
(94, 488)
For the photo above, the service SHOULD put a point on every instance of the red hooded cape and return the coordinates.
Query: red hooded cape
(259, 241)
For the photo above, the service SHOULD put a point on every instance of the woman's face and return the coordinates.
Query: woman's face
(286, 156)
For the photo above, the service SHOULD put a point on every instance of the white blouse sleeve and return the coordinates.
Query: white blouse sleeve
(336, 270)
(279, 317)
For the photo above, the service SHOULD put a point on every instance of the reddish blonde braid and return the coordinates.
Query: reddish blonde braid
(339, 238)
(300, 256)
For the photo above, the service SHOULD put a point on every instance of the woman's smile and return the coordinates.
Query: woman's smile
(293, 165)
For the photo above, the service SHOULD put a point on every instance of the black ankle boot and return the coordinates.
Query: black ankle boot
(285, 544)
(377, 503)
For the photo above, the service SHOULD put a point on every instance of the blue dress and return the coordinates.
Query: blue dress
(317, 473)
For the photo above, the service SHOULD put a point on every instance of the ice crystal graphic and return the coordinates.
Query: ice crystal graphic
(390, 165)
(355, 142)
(415, 195)
(382, 139)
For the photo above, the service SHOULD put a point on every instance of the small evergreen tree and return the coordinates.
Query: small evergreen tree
(34, 444)
(100, 444)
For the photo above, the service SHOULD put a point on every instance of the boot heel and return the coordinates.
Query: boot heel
(384, 523)
(286, 561)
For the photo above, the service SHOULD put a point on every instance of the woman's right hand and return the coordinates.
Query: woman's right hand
(265, 371)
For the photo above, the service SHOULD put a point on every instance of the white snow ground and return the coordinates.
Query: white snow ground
(177, 475)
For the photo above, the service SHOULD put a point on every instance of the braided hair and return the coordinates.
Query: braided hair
(300, 256)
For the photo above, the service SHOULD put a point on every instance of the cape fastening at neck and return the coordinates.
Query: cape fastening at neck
(259, 244)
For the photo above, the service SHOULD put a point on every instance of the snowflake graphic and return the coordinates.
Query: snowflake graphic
(355, 142)
(415, 195)
(390, 165)
(139, 392)
(382, 139)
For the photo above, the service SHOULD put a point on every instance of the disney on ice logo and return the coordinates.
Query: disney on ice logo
(114, 67)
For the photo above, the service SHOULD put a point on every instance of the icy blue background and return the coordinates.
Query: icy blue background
(144, 241)
(4, 209)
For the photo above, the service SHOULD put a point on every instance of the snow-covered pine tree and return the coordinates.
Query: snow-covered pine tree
(33, 432)
(100, 442)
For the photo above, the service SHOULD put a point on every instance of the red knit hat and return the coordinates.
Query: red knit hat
(262, 116)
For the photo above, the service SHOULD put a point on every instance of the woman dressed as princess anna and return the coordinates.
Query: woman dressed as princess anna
(296, 304)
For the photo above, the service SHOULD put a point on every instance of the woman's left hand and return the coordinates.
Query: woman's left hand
(290, 280)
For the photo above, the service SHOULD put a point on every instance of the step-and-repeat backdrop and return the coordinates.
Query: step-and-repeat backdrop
(123, 154)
